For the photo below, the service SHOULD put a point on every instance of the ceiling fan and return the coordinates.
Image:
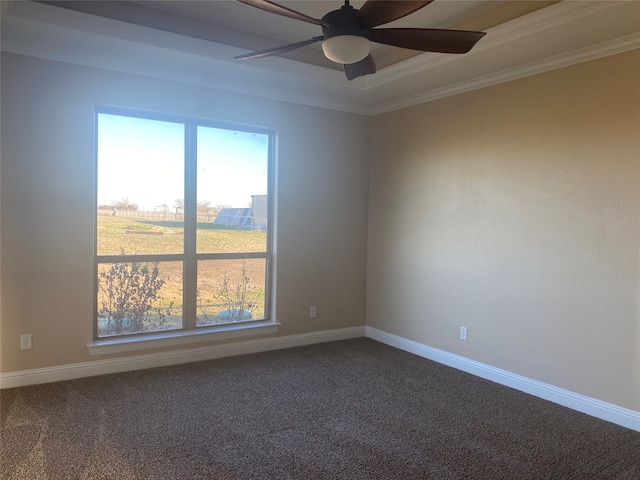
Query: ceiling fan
(347, 33)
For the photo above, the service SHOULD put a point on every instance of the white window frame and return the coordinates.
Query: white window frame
(190, 332)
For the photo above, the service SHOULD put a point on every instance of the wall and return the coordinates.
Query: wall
(47, 202)
(514, 210)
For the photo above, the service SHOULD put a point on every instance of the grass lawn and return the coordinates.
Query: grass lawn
(221, 283)
(146, 237)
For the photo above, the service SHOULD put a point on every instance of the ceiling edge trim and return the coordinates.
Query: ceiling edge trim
(556, 14)
(330, 91)
(109, 28)
(55, 26)
(187, 79)
(605, 49)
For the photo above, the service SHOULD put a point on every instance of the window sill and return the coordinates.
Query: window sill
(172, 338)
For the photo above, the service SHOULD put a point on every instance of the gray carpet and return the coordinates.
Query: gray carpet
(353, 410)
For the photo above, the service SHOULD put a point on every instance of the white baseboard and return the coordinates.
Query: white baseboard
(591, 406)
(138, 362)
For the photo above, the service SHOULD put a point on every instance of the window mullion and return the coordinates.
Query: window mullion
(191, 218)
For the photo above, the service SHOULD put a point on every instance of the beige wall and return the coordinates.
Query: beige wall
(514, 210)
(47, 206)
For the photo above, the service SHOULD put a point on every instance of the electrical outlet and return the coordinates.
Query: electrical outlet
(463, 333)
(25, 341)
(312, 312)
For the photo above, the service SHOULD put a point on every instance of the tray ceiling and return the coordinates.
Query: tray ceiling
(195, 42)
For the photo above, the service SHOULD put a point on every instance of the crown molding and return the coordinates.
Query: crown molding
(83, 39)
(556, 14)
(45, 31)
(534, 68)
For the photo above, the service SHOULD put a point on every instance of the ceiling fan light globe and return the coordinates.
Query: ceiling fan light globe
(346, 49)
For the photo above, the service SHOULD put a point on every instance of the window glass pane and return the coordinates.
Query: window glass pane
(140, 186)
(137, 297)
(230, 291)
(140, 214)
(232, 191)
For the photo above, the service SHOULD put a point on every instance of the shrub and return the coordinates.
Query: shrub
(238, 299)
(128, 291)
(125, 204)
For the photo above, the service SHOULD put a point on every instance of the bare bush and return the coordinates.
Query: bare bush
(128, 292)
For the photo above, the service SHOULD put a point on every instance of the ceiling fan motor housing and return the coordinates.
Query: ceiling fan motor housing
(343, 22)
(346, 41)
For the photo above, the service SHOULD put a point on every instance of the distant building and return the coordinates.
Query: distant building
(234, 217)
(249, 218)
(259, 204)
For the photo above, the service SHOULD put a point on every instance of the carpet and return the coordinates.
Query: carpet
(353, 409)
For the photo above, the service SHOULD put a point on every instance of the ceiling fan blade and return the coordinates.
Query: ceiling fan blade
(358, 69)
(379, 12)
(427, 39)
(278, 50)
(273, 7)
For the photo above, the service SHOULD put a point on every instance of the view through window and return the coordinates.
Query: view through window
(183, 223)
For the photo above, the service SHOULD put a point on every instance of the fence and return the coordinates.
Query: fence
(222, 220)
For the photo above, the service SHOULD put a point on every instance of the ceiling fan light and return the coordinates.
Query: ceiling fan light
(346, 49)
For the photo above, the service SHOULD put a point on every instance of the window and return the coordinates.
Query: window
(183, 224)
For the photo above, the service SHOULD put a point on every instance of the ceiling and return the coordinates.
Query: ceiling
(195, 42)
(256, 25)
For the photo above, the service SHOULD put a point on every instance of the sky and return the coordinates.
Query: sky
(143, 160)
